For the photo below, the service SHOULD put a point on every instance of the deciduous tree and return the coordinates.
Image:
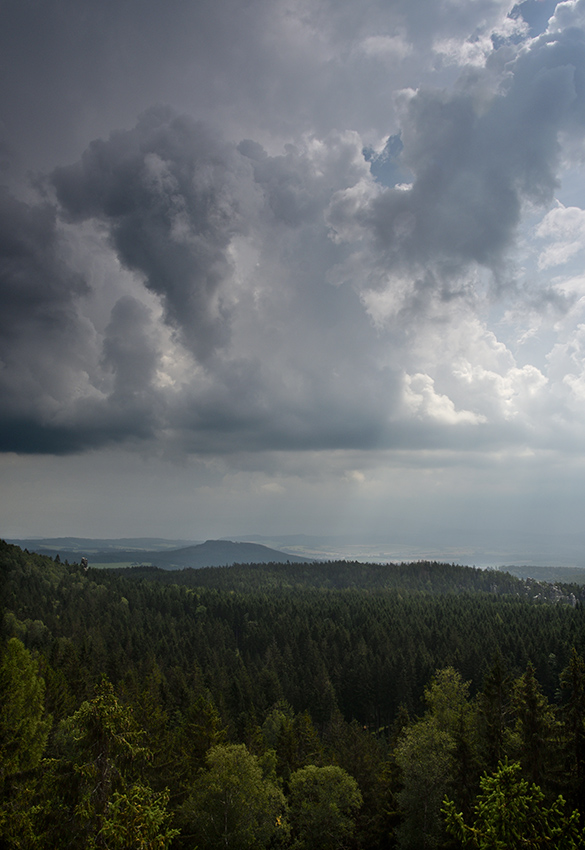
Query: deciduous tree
(234, 804)
(323, 802)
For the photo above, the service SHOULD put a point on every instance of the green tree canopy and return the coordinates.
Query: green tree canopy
(137, 819)
(535, 738)
(23, 726)
(97, 781)
(511, 815)
(424, 755)
(323, 802)
(23, 736)
(234, 805)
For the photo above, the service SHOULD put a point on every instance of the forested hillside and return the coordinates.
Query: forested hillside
(322, 705)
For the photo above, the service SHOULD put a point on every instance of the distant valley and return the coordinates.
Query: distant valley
(182, 554)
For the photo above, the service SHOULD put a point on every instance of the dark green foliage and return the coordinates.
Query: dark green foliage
(495, 707)
(573, 722)
(98, 780)
(536, 734)
(411, 679)
(510, 814)
(421, 576)
(362, 649)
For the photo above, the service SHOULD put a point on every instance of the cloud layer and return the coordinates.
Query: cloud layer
(350, 228)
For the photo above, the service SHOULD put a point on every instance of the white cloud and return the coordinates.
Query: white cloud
(421, 400)
(468, 53)
(564, 228)
(567, 14)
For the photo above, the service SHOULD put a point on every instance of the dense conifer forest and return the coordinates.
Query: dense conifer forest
(326, 705)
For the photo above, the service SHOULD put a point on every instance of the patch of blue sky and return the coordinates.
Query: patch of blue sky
(536, 13)
(386, 166)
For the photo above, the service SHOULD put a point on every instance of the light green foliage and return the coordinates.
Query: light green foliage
(106, 740)
(435, 754)
(234, 804)
(323, 802)
(103, 725)
(448, 703)
(137, 819)
(102, 747)
(23, 735)
(511, 815)
(425, 757)
(23, 727)
(447, 699)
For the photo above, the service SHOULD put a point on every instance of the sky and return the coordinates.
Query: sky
(292, 267)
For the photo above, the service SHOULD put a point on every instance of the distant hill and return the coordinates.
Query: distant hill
(566, 575)
(220, 553)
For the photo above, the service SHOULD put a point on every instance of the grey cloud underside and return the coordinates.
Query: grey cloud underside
(276, 356)
(474, 170)
(46, 347)
(38, 316)
(170, 195)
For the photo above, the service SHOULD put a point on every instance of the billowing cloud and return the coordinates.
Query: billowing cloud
(476, 166)
(43, 352)
(564, 229)
(173, 197)
(350, 232)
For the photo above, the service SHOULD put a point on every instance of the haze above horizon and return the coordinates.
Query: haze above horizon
(449, 547)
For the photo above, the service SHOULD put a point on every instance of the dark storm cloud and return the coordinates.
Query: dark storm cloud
(37, 286)
(39, 328)
(173, 197)
(286, 182)
(71, 71)
(284, 402)
(55, 395)
(257, 349)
